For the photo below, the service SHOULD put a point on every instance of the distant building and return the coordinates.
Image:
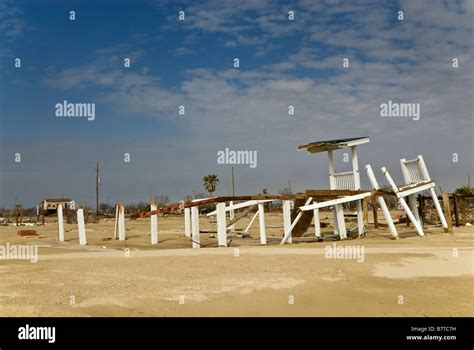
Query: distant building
(50, 205)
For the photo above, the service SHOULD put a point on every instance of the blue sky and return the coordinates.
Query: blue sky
(190, 62)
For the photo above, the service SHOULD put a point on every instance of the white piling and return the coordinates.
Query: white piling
(286, 204)
(340, 221)
(317, 223)
(426, 175)
(154, 223)
(60, 223)
(356, 175)
(116, 222)
(187, 222)
(81, 227)
(221, 225)
(332, 186)
(403, 203)
(121, 223)
(381, 201)
(438, 208)
(195, 226)
(231, 215)
(261, 221)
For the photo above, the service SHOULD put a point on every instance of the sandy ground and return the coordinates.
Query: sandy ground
(412, 276)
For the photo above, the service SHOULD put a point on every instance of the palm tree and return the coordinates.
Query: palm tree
(210, 183)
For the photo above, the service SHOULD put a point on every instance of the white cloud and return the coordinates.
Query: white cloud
(248, 109)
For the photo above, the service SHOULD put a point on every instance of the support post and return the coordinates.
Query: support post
(340, 221)
(187, 222)
(221, 225)
(60, 223)
(365, 209)
(439, 210)
(81, 226)
(116, 222)
(286, 204)
(121, 222)
(403, 203)
(381, 202)
(332, 186)
(411, 198)
(231, 215)
(421, 209)
(355, 172)
(375, 213)
(317, 223)
(447, 210)
(261, 221)
(154, 223)
(195, 226)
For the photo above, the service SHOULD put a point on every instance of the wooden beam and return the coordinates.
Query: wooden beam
(293, 224)
(365, 209)
(421, 209)
(374, 212)
(455, 207)
(241, 205)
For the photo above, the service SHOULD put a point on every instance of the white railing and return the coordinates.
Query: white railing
(344, 181)
(414, 171)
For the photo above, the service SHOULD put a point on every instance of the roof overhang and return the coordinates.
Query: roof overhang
(332, 145)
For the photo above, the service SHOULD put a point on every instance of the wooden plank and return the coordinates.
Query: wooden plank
(455, 207)
(374, 212)
(304, 222)
(241, 205)
(293, 224)
(23, 233)
(421, 209)
(365, 209)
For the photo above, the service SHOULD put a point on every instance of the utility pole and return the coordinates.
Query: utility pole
(469, 180)
(97, 181)
(289, 185)
(233, 186)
